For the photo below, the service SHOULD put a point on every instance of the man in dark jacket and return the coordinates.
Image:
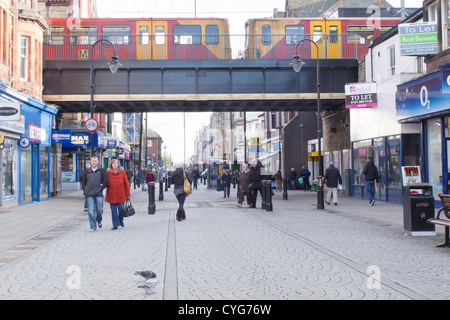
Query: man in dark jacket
(305, 175)
(196, 175)
(255, 181)
(94, 181)
(226, 181)
(371, 173)
(331, 179)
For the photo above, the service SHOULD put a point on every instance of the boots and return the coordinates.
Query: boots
(181, 215)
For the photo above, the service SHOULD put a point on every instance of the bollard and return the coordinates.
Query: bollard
(285, 195)
(167, 181)
(263, 194)
(151, 198)
(161, 194)
(269, 195)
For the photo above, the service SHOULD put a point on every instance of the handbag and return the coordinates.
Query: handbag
(129, 210)
(186, 186)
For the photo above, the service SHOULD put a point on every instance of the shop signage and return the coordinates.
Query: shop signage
(429, 94)
(361, 95)
(418, 38)
(36, 133)
(411, 175)
(10, 111)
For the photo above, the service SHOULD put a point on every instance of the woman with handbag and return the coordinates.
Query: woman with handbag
(117, 193)
(179, 178)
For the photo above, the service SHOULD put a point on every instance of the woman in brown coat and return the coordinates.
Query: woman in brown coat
(244, 189)
(117, 193)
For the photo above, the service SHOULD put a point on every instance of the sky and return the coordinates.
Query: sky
(170, 125)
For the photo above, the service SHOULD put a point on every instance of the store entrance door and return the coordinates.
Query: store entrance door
(379, 159)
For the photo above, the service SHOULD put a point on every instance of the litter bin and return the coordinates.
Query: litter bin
(418, 207)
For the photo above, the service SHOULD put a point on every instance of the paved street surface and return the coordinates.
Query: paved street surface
(220, 252)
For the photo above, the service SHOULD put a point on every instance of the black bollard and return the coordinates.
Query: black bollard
(269, 206)
(263, 194)
(285, 195)
(167, 181)
(151, 198)
(161, 194)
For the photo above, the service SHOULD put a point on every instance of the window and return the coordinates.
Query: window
(160, 35)
(391, 55)
(294, 34)
(446, 25)
(384, 29)
(394, 175)
(83, 35)
(143, 35)
(361, 150)
(360, 34)
(55, 36)
(212, 34)
(266, 34)
(317, 34)
(24, 50)
(117, 34)
(432, 12)
(334, 34)
(187, 35)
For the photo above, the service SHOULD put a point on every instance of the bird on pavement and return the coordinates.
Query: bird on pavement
(150, 282)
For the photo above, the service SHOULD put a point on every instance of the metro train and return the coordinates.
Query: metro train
(209, 38)
(335, 38)
(139, 39)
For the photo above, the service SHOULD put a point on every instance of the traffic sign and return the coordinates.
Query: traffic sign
(91, 124)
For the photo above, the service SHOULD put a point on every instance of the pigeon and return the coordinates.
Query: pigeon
(150, 280)
(147, 274)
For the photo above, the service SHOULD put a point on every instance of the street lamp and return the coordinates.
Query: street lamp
(297, 64)
(113, 65)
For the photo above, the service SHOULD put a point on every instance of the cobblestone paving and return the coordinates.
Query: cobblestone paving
(224, 252)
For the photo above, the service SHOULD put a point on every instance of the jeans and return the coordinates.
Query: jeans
(370, 186)
(143, 184)
(292, 184)
(95, 210)
(117, 217)
(181, 198)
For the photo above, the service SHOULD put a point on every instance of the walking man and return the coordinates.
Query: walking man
(331, 179)
(255, 181)
(94, 181)
(370, 171)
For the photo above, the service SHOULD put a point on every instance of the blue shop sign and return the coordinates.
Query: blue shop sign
(70, 139)
(425, 96)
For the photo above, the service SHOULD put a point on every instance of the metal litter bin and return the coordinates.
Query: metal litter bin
(418, 207)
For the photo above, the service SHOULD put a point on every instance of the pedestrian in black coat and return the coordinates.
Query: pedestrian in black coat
(255, 181)
(331, 179)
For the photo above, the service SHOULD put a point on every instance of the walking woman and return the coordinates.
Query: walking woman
(117, 193)
(178, 181)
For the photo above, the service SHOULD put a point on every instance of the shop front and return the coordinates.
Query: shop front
(25, 152)
(75, 156)
(427, 101)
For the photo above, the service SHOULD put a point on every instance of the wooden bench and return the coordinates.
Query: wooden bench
(445, 199)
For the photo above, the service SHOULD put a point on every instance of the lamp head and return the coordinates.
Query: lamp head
(114, 64)
(297, 64)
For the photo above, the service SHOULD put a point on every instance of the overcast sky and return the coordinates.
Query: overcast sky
(170, 125)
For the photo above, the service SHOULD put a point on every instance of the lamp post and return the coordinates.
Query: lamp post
(113, 65)
(297, 64)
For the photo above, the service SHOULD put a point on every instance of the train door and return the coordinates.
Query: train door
(317, 35)
(143, 41)
(327, 36)
(160, 40)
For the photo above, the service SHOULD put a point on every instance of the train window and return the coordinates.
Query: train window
(55, 36)
(143, 35)
(83, 34)
(294, 34)
(334, 34)
(187, 34)
(384, 29)
(359, 34)
(117, 34)
(212, 34)
(160, 35)
(317, 34)
(266, 34)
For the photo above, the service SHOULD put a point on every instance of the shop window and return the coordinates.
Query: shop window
(9, 169)
(43, 172)
(434, 159)
(394, 172)
(361, 150)
(25, 182)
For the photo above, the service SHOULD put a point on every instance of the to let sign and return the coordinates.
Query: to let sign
(361, 95)
(418, 39)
